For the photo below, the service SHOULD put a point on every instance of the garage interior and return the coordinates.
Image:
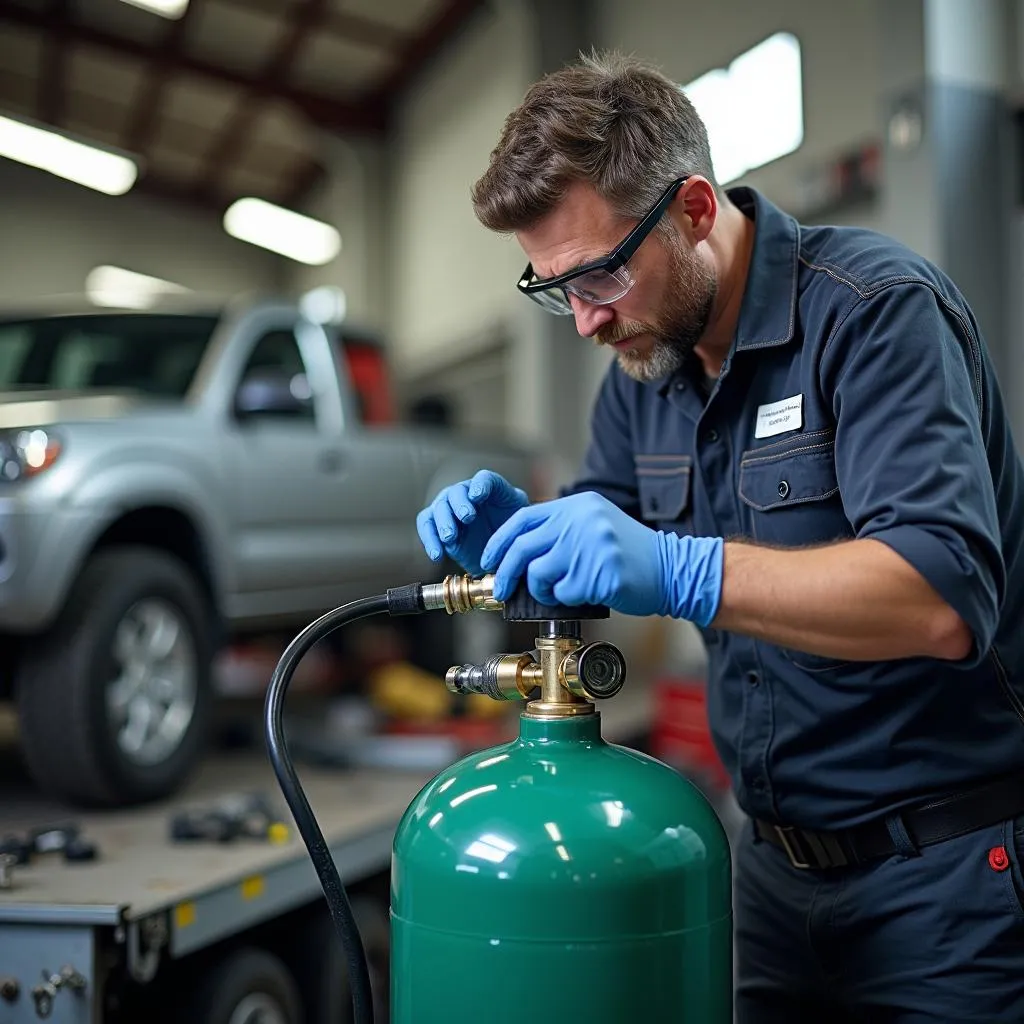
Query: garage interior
(194, 190)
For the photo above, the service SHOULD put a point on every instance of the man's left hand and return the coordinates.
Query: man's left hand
(585, 550)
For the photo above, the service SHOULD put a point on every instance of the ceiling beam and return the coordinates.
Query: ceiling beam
(307, 176)
(321, 110)
(142, 121)
(230, 143)
(53, 70)
(420, 49)
(352, 27)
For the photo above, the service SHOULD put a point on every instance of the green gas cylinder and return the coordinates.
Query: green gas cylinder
(559, 877)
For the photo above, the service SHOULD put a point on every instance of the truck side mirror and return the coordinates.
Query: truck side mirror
(272, 392)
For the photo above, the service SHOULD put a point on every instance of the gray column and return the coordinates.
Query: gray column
(949, 152)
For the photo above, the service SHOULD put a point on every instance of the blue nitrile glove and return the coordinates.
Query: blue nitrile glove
(462, 517)
(584, 550)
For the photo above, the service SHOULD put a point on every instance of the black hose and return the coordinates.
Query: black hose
(305, 821)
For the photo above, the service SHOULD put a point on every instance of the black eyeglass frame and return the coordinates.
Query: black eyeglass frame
(617, 258)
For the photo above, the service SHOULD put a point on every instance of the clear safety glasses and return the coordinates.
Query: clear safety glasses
(599, 281)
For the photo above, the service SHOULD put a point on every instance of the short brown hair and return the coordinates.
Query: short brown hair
(615, 122)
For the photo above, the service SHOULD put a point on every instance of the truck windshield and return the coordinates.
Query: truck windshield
(154, 353)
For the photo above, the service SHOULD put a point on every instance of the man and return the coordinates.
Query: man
(802, 448)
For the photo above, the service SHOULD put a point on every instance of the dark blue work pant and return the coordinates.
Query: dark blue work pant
(937, 936)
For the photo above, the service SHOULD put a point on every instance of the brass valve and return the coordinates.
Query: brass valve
(570, 676)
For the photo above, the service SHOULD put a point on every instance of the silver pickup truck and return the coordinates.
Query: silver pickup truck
(169, 479)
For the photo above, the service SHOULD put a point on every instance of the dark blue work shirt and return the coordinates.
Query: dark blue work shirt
(857, 400)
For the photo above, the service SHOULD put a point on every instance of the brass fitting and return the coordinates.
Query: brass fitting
(459, 594)
(501, 677)
(571, 675)
(557, 700)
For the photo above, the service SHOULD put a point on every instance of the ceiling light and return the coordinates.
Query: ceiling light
(126, 289)
(282, 231)
(79, 162)
(165, 8)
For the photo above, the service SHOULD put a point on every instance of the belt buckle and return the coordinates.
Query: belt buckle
(784, 833)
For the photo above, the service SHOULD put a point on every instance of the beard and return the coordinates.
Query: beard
(679, 327)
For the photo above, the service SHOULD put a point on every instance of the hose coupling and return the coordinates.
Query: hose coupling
(459, 594)
(500, 677)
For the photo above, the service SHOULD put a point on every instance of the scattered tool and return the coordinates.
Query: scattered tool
(64, 838)
(244, 815)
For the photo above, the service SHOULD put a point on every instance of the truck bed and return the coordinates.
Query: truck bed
(209, 890)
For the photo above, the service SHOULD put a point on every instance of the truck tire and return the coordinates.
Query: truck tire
(114, 701)
(248, 986)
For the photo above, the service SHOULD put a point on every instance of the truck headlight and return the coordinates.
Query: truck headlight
(26, 453)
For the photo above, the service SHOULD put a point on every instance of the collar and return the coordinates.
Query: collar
(768, 311)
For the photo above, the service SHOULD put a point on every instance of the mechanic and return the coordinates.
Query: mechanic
(802, 448)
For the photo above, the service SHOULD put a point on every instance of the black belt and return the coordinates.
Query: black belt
(932, 822)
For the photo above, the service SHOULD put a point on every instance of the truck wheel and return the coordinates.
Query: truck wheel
(114, 701)
(249, 986)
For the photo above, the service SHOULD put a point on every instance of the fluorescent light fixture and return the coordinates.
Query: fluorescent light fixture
(126, 289)
(165, 8)
(67, 158)
(753, 110)
(282, 231)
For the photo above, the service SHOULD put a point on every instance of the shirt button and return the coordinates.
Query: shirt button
(783, 488)
(712, 435)
(753, 678)
(680, 385)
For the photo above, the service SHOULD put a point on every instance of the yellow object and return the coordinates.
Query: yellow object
(279, 833)
(479, 706)
(252, 887)
(184, 915)
(402, 690)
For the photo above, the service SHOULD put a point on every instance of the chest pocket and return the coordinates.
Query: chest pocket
(664, 485)
(792, 490)
(791, 493)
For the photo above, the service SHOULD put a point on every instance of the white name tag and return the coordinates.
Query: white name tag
(779, 417)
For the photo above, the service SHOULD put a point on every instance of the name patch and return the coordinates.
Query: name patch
(779, 417)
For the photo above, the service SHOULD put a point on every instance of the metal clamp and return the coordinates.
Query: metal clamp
(7, 862)
(43, 995)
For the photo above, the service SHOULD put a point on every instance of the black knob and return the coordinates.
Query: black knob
(523, 607)
(601, 668)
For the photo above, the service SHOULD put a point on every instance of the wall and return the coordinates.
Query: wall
(353, 200)
(55, 232)
(452, 281)
(839, 47)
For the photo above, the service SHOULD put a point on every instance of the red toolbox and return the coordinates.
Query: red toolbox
(680, 735)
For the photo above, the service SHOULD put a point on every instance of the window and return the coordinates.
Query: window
(276, 350)
(753, 109)
(277, 356)
(152, 353)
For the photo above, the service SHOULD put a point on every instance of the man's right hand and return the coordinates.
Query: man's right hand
(461, 519)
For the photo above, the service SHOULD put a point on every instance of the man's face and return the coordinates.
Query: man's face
(657, 323)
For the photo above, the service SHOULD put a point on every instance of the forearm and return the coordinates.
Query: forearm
(856, 600)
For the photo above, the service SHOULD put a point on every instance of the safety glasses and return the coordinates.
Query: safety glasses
(602, 280)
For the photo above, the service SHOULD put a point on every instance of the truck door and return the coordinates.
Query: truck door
(320, 510)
